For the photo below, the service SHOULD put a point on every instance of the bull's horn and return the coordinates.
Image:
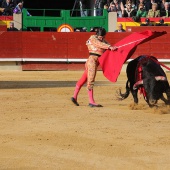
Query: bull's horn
(160, 78)
(137, 84)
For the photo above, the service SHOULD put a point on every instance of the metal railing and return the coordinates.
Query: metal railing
(46, 20)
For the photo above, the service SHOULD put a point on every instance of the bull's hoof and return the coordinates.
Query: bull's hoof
(167, 102)
(133, 106)
(153, 106)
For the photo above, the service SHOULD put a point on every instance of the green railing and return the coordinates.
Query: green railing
(64, 17)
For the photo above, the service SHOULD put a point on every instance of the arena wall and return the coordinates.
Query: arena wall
(67, 51)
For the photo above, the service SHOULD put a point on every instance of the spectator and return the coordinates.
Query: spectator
(141, 11)
(152, 13)
(94, 29)
(106, 6)
(165, 12)
(147, 23)
(149, 3)
(108, 2)
(130, 2)
(117, 6)
(161, 23)
(11, 27)
(99, 6)
(159, 2)
(162, 7)
(77, 30)
(129, 11)
(1, 10)
(84, 29)
(18, 9)
(80, 29)
(15, 2)
(120, 28)
(139, 2)
(83, 8)
(8, 7)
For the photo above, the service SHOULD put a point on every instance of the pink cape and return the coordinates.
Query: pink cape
(111, 62)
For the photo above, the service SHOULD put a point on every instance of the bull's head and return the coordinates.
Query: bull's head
(151, 90)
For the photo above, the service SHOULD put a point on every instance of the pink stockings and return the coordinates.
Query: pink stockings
(90, 72)
(79, 84)
(91, 99)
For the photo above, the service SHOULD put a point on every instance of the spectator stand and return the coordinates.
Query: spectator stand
(5, 20)
(129, 22)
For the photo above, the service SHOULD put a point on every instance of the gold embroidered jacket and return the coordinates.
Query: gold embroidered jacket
(96, 46)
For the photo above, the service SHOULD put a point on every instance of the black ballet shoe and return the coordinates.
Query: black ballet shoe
(95, 105)
(74, 101)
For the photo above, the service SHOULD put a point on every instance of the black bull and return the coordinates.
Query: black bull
(146, 75)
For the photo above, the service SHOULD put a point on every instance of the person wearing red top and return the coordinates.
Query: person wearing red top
(96, 45)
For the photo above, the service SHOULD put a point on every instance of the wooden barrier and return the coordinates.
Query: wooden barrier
(66, 51)
(143, 28)
(3, 28)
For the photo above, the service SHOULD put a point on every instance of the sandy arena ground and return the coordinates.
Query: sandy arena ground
(41, 129)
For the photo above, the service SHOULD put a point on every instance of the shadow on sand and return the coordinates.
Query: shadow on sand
(43, 84)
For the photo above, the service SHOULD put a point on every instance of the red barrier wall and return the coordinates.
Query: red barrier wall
(54, 46)
(3, 27)
(143, 28)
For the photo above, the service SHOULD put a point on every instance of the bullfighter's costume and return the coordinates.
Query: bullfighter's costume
(96, 48)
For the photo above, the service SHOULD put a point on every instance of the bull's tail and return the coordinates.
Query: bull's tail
(123, 96)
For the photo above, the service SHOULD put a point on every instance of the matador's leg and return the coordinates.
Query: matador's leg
(79, 84)
(92, 65)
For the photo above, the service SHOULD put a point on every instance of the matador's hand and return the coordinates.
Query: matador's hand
(112, 48)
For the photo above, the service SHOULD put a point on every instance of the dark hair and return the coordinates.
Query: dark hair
(147, 20)
(101, 32)
(161, 21)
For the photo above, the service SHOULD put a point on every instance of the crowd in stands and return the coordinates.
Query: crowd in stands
(124, 8)
(139, 8)
(9, 7)
(135, 9)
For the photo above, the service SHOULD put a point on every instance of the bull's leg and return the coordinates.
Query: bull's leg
(163, 99)
(135, 96)
(168, 95)
(167, 101)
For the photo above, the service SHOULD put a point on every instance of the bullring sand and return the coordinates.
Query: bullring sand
(41, 129)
